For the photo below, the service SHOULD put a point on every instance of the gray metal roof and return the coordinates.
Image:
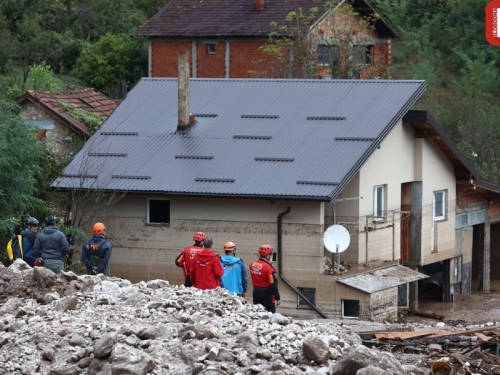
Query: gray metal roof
(384, 278)
(297, 139)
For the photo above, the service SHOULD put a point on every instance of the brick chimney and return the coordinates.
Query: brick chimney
(258, 4)
(183, 93)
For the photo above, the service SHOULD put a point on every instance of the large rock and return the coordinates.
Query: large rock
(360, 357)
(315, 348)
(129, 361)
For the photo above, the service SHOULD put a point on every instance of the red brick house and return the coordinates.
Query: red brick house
(223, 37)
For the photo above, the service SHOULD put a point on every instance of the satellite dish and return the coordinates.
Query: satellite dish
(336, 238)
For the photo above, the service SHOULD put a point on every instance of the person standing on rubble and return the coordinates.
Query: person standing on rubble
(206, 269)
(96, 252)
(235, 275)
(51, 245)
(265, 280)
(29, 237)
(185, 258)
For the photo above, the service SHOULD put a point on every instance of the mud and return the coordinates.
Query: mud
(473, 308)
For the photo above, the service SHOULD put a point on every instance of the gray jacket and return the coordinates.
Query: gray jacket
(51, 244)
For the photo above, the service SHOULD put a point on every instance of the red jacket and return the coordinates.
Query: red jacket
(185, 259)
(264, 276)
(206, 270)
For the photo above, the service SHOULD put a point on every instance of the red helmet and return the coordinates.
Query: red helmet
(98, 228)
(199, 236)
(39, 262)
(265, 250)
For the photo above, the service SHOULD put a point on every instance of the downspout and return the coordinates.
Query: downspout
(280, 262)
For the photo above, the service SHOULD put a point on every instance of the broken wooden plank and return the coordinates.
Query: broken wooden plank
(482, 337)
(465, 332)
(371, 334)
(408, 335)
(464, 365)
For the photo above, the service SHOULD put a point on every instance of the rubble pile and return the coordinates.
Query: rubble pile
(69, 324)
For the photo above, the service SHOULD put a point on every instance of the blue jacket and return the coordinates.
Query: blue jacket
(51, 244)
(235, 275)
(96, 247)
(29, 238)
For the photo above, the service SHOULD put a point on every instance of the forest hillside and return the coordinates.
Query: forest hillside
(59, 45)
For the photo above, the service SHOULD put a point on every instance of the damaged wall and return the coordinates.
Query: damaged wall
(60, 140)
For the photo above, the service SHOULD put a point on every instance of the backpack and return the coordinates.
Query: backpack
(15, 247)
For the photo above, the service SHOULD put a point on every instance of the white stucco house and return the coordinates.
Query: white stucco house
(278, 161)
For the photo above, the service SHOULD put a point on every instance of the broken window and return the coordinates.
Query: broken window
(350, 308)
(158, 211)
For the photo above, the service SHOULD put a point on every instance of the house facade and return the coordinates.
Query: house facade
(225, 39)
(59, 130)
(258, 162)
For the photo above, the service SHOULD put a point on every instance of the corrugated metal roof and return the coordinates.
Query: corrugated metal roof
(273, 151)
(384, 278)
(224, 18)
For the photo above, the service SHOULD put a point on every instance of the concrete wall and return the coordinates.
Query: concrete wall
(437, 173)
(60, 141)
(382, 168)
(382, 241)
(145, 252)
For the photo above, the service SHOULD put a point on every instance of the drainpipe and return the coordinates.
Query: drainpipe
(280, 262)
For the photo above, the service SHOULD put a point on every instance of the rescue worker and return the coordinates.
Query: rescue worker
(265, 280)
(51, 245)
(206, 270)
(29, 237)
(235, 275)
(185, 259)
(96, 252)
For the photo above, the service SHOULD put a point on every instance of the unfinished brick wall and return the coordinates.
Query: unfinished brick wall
(165, 56)
(469, 199)
(245, 60)
(244, 55)
(210, 65)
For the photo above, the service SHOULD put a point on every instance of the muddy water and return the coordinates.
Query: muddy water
(474, 308)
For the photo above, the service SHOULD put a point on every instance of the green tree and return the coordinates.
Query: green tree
(303, 47)
(21, 158)
(113, 64)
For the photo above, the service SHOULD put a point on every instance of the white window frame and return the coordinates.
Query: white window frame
(441, 215)
(379, 202)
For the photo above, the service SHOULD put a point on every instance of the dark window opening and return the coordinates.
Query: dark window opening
(350, 308)
(158, 211)
(328, 56)
(309, 293)
(211, 49)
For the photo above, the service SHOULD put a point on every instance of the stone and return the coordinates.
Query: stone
(315, 348)
(129, 361)
(358, 357)
(104, 346)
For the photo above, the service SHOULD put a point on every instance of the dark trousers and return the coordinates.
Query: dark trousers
(264, 297)
(187, 282)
